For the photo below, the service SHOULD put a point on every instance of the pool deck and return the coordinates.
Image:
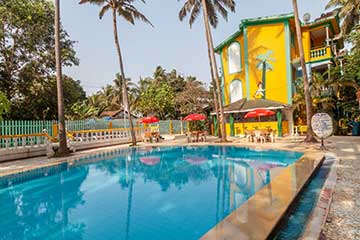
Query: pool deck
(257, 218)
(343, 220)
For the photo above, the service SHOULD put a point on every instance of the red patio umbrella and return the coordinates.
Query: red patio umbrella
(149, 119)
(259, 113)
(195, 117)
(151, 160)
(195, 160)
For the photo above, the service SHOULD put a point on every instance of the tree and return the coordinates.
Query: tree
(83, 111)
(40, 100)
(27, 55)
(193, 98)
(129, 12)
(308, 101)
(4, 105)
(210, 8)
(264, 64)
(132, 89)
(63, 150)
(349, 12)
(158, 99)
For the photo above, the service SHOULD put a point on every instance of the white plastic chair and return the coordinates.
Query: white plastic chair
(259, 138)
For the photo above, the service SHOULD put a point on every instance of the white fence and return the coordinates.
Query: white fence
(40, 144)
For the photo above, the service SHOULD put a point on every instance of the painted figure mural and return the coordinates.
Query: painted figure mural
(264, 65)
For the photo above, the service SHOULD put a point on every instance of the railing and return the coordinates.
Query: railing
(20, 146)
(17, 127)
(101, 135)
(321, 53)
(25, 140)
(24, 145)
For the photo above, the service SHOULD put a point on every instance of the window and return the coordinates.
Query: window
(234, 58)
(236, 92)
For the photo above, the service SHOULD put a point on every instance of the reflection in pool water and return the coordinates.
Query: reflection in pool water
(143, 193)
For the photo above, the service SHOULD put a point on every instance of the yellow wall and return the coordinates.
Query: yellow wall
(236, 76)
(240, 127)
(263, 38)
(306, 44)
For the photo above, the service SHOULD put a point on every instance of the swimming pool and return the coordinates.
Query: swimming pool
(140, 193)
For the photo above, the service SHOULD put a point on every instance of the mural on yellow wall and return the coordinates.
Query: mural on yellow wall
(264, 65)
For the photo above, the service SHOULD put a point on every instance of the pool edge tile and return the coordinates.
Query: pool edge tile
(262, 223)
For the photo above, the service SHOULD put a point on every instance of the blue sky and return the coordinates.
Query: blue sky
(171, 43)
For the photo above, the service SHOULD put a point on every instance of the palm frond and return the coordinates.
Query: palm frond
(103, 10)
(221, 10)
(192, 8)
(332, 3)
(212, 13)
(96, 2)
(194, 13)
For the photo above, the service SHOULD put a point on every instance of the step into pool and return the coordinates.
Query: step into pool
(139, 193)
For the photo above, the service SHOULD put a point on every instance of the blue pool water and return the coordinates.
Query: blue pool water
(292, 226)
(139, 193)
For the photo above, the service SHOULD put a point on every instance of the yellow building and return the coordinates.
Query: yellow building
(261, 61)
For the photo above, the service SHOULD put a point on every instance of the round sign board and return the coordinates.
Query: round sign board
(322, 125)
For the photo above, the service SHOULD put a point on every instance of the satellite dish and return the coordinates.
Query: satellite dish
(307, 17)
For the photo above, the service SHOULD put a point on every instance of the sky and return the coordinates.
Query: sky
(170, 43)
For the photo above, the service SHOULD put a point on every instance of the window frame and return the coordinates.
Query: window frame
(242, 90)
(240, 56)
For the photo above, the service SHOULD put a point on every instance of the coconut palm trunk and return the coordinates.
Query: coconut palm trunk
(264, 78)
(214, 93)
(214, 70)
(62, 151)
(308, 101)
(122, 72)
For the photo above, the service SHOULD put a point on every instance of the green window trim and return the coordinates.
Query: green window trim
(288, 61)
(222, 92)
(246, 60)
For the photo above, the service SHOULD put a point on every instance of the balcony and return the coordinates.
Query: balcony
(319, 54)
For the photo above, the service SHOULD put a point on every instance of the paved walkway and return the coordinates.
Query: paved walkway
(343, 221)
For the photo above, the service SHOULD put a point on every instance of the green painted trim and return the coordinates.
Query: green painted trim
(325, 24)
(232, 125)
(246, 60)
(268, 19)
(274, 19)
(265, 22)
(321, 60)
(279, 123)
(228, 40)
(222, 78)
(324, 21)
(216, 129)
(288, 61)
(252, 21)
(241, 67)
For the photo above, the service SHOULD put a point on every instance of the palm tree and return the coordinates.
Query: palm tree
(132, 90)
(308, 102)
(349, 12)
(264, 65)
(130, 13)
(210, 8)
(62, 151)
